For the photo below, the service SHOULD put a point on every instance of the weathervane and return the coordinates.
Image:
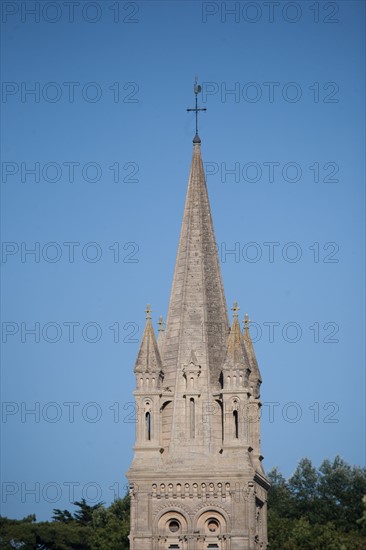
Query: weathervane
(197, 89)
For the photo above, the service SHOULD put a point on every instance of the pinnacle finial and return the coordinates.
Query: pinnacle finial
(235, 309)
(148, 311)
(161, 324)
(246, 321)
(197, 89)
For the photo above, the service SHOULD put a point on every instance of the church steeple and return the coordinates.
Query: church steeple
(196, 480)
(197, 316)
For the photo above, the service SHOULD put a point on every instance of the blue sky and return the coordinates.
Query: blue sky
(111, 154)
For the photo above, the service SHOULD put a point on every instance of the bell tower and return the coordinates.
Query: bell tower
(196, 480)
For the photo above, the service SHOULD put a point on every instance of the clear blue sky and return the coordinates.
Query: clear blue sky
(298, 100)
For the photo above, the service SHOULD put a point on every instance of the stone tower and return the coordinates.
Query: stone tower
(196, 480)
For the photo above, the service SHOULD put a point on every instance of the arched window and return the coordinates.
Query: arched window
(236, 424)
(148, 425)
(192, 415)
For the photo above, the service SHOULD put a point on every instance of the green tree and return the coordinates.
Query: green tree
(111, 526)
(318, 509)
(362, 521)
(89, 528)
(341, 489)
(85, 514)
(24, 535)
(279, 497)
(303, 486)
(64, 516)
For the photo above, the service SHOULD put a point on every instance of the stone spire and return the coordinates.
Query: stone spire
(148, 358)
(255, 376)
(236, 355)
(161, 334)
(197, 316)
(254, 404)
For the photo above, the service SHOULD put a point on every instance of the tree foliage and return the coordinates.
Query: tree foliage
(89, 528)
(318, 509)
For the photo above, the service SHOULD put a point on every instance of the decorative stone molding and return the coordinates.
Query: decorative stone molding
(173, 506)
(209, 505)
(181, 490)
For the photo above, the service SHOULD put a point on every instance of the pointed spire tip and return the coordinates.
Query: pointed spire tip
(148, 311)
(246, 321)
(161, 324)
(235, 309)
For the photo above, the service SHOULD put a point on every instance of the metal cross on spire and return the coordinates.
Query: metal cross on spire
(197, 89)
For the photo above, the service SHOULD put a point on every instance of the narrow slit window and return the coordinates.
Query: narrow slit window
(236, 424)
(192, 418)
(148, 426)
